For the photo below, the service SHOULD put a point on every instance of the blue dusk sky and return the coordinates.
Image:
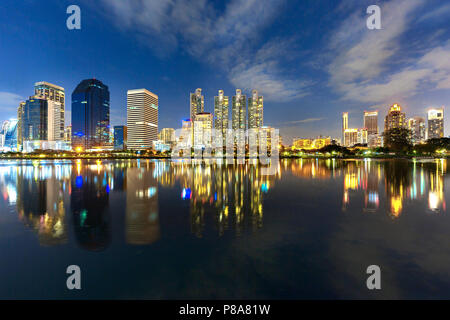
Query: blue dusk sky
(310, 59)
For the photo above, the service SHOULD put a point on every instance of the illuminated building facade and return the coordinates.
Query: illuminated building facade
(418, 131)
(203, 130)
(238, 116)
(371, 122)
(120, 137)
(255, 110)
(395, 118)
(90, 115)
(344, 125)
(142, 119)
(56, 94)
(350, 137)
(221, 114)
(435, 123)
(197, 103)
(167, 136)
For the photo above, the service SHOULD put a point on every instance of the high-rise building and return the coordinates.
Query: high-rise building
(55, 94)
(238, 116)
(142, 119)
(8, 135)
(435, 123)
(344, 125)
(197, 103)
(418, 131)
(186, 137)
(20, 111)
(351, 137)
(371, 122)
(68, 134)
(90, 115)
(203, 130)
(167, 136)
(221, 114)
(395, 118)
(255, 111)
(120, 137)
(34, 120)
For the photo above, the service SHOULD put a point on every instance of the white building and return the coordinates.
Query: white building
(142, 119)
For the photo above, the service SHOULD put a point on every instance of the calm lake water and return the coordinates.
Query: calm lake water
(165, 230)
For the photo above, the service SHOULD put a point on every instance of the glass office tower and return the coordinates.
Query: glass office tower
(34, 120)
(90, 115)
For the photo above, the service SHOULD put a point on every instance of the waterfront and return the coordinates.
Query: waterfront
(157, 229)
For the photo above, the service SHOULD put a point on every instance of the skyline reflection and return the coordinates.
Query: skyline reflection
(56, 199)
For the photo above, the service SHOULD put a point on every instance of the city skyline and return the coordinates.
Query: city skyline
(312, 87)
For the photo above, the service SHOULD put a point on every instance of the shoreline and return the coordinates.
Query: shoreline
(384, 157)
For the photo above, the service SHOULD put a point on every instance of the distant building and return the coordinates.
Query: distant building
(20, 111)
(56, 94)
(395, 118)
(68, 134)
(221, 115)
(371, 122)
(435, 123)
(311, 144)
(203, 130)
(238, 116)
(350, 137)
(187, 131)
(255, 111)
(90, 115)
(362, 136)
(344, 125)
(197, 103)
(120, 137)
(34, 120)
(8, 135)
(142, 119)
(167, 136)
(418, 131)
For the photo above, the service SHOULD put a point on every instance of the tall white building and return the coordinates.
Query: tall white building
(435, 123)
(203, 130)
(197, 103)
(238, 116)
(142, 119)
(255, 111)
(55, 95)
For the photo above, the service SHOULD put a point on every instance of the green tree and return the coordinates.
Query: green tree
(397, 139)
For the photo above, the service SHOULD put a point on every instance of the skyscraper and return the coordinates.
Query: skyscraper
(142, 119)
(344, 125)
(417, 127)
(435, 123)
(90, 114)
(55, 94)
(255, 111)
(203, 130)
(197, 103)
(395, 118)
(371, 122)
(221, 106)
(34, 120)
(20, 111)
(167, 135)
(238, 116)
(120, 137)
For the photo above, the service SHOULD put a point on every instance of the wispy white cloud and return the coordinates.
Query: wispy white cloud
(9, 101)
(229, 39)
(369, 67)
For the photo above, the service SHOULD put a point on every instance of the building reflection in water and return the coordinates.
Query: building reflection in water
(40, 200)
(142, 220)
(229, 193)
(89, 202)
(222, 195)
